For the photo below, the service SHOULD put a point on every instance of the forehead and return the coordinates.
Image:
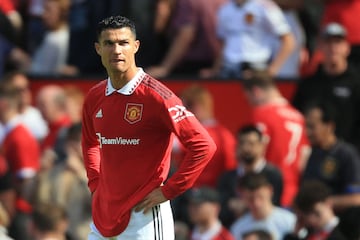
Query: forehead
(116, 33)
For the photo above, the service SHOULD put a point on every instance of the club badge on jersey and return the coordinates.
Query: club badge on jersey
(133, 112)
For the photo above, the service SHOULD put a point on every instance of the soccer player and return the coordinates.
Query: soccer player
(129, 121)
(283, 125)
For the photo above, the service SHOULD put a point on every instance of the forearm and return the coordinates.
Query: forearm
(179, 47)
(346, 200)
(286, 47)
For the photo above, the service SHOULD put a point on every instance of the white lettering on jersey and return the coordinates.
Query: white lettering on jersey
(117, 140)
(179, 113)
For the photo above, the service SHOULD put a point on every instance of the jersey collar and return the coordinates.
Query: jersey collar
(129, 88)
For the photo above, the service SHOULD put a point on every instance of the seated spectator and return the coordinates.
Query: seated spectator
(21, 151)
(283, 127)
(336, 163)
(257, 235)
(193, 40)
(247, 30)
(66, 185)
(315, 215)
(51, 101)
(263, 215)
(336, 81)
(30, 116)
(50, 57)
(49, 221)
(250, 150)
(204, 209)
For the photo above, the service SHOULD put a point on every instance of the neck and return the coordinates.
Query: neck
(206, 225)
(335, 68)
(264, 214)
(50, 236)
(7, 117)
(271, 95)
(329, 142)
(120, 79)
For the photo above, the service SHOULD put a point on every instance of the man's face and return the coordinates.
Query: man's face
(316, 129)
(335, 49)
(258, 200)
(117, 48)
(318, 217)
(249, 148)
(200, 213)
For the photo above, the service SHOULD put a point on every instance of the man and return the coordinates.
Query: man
(247, 29)
(204, 209)
(282, 125)
(263, 215)
(336, 81)
(315, 213)
(335, 163)
(129, 121)
(30, 116)
(250, 150)
(21, 151)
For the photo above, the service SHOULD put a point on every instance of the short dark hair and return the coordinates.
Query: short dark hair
(46, 216)
(259, 233)
(257, 78)
(310, 193)
(252, 181)
(247, 129)
(327, 109)
(115, 22)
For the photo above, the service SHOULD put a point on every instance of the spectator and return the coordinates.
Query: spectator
(345, 13)
(193, 45)
(257, 235)
(336, 81)
(21, 151)
(315, 214)
(335, 163)
(66, 185)
(204, 209)
(51, 101)
(50, 57)
(250, 152)
(30, 116)
(263, 215)
(282, 125)
(246, 29)
(74, 102)
(199, 101)
(49, 221)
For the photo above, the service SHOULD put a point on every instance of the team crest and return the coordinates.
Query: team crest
(133, 112)
(329, 168)
(249, 18)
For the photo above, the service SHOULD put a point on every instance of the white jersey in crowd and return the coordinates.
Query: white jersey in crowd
(248, 30)
(278, 223)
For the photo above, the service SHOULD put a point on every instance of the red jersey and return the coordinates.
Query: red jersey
(127, 139)
(22, 152)
(223, 160)
(285, 128)
(54, 129)
(345, 12)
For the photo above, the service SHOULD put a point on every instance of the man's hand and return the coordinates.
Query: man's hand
(151, 200)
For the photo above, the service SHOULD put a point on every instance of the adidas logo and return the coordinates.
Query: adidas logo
(99, 114)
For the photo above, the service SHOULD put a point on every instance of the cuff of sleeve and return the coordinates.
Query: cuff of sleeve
(93, 185)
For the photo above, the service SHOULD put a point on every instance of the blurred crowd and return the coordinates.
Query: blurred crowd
(292, 173)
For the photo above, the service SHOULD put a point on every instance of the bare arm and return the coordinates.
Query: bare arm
(176, 52)
(286, 47)
(346, 200)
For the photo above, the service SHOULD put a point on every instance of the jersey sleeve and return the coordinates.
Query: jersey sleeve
(198, 144)
(90, 148)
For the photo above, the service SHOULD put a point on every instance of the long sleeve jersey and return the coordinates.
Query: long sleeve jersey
(127, 138)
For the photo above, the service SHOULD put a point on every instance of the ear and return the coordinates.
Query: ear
(137, 45)
(97, 48)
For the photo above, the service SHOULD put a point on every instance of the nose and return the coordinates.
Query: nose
(117, 48)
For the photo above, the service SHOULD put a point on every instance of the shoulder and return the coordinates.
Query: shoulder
(156, 87)
(97, 90)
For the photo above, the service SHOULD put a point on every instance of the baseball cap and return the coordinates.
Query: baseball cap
(203, 194)
(334, 29)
